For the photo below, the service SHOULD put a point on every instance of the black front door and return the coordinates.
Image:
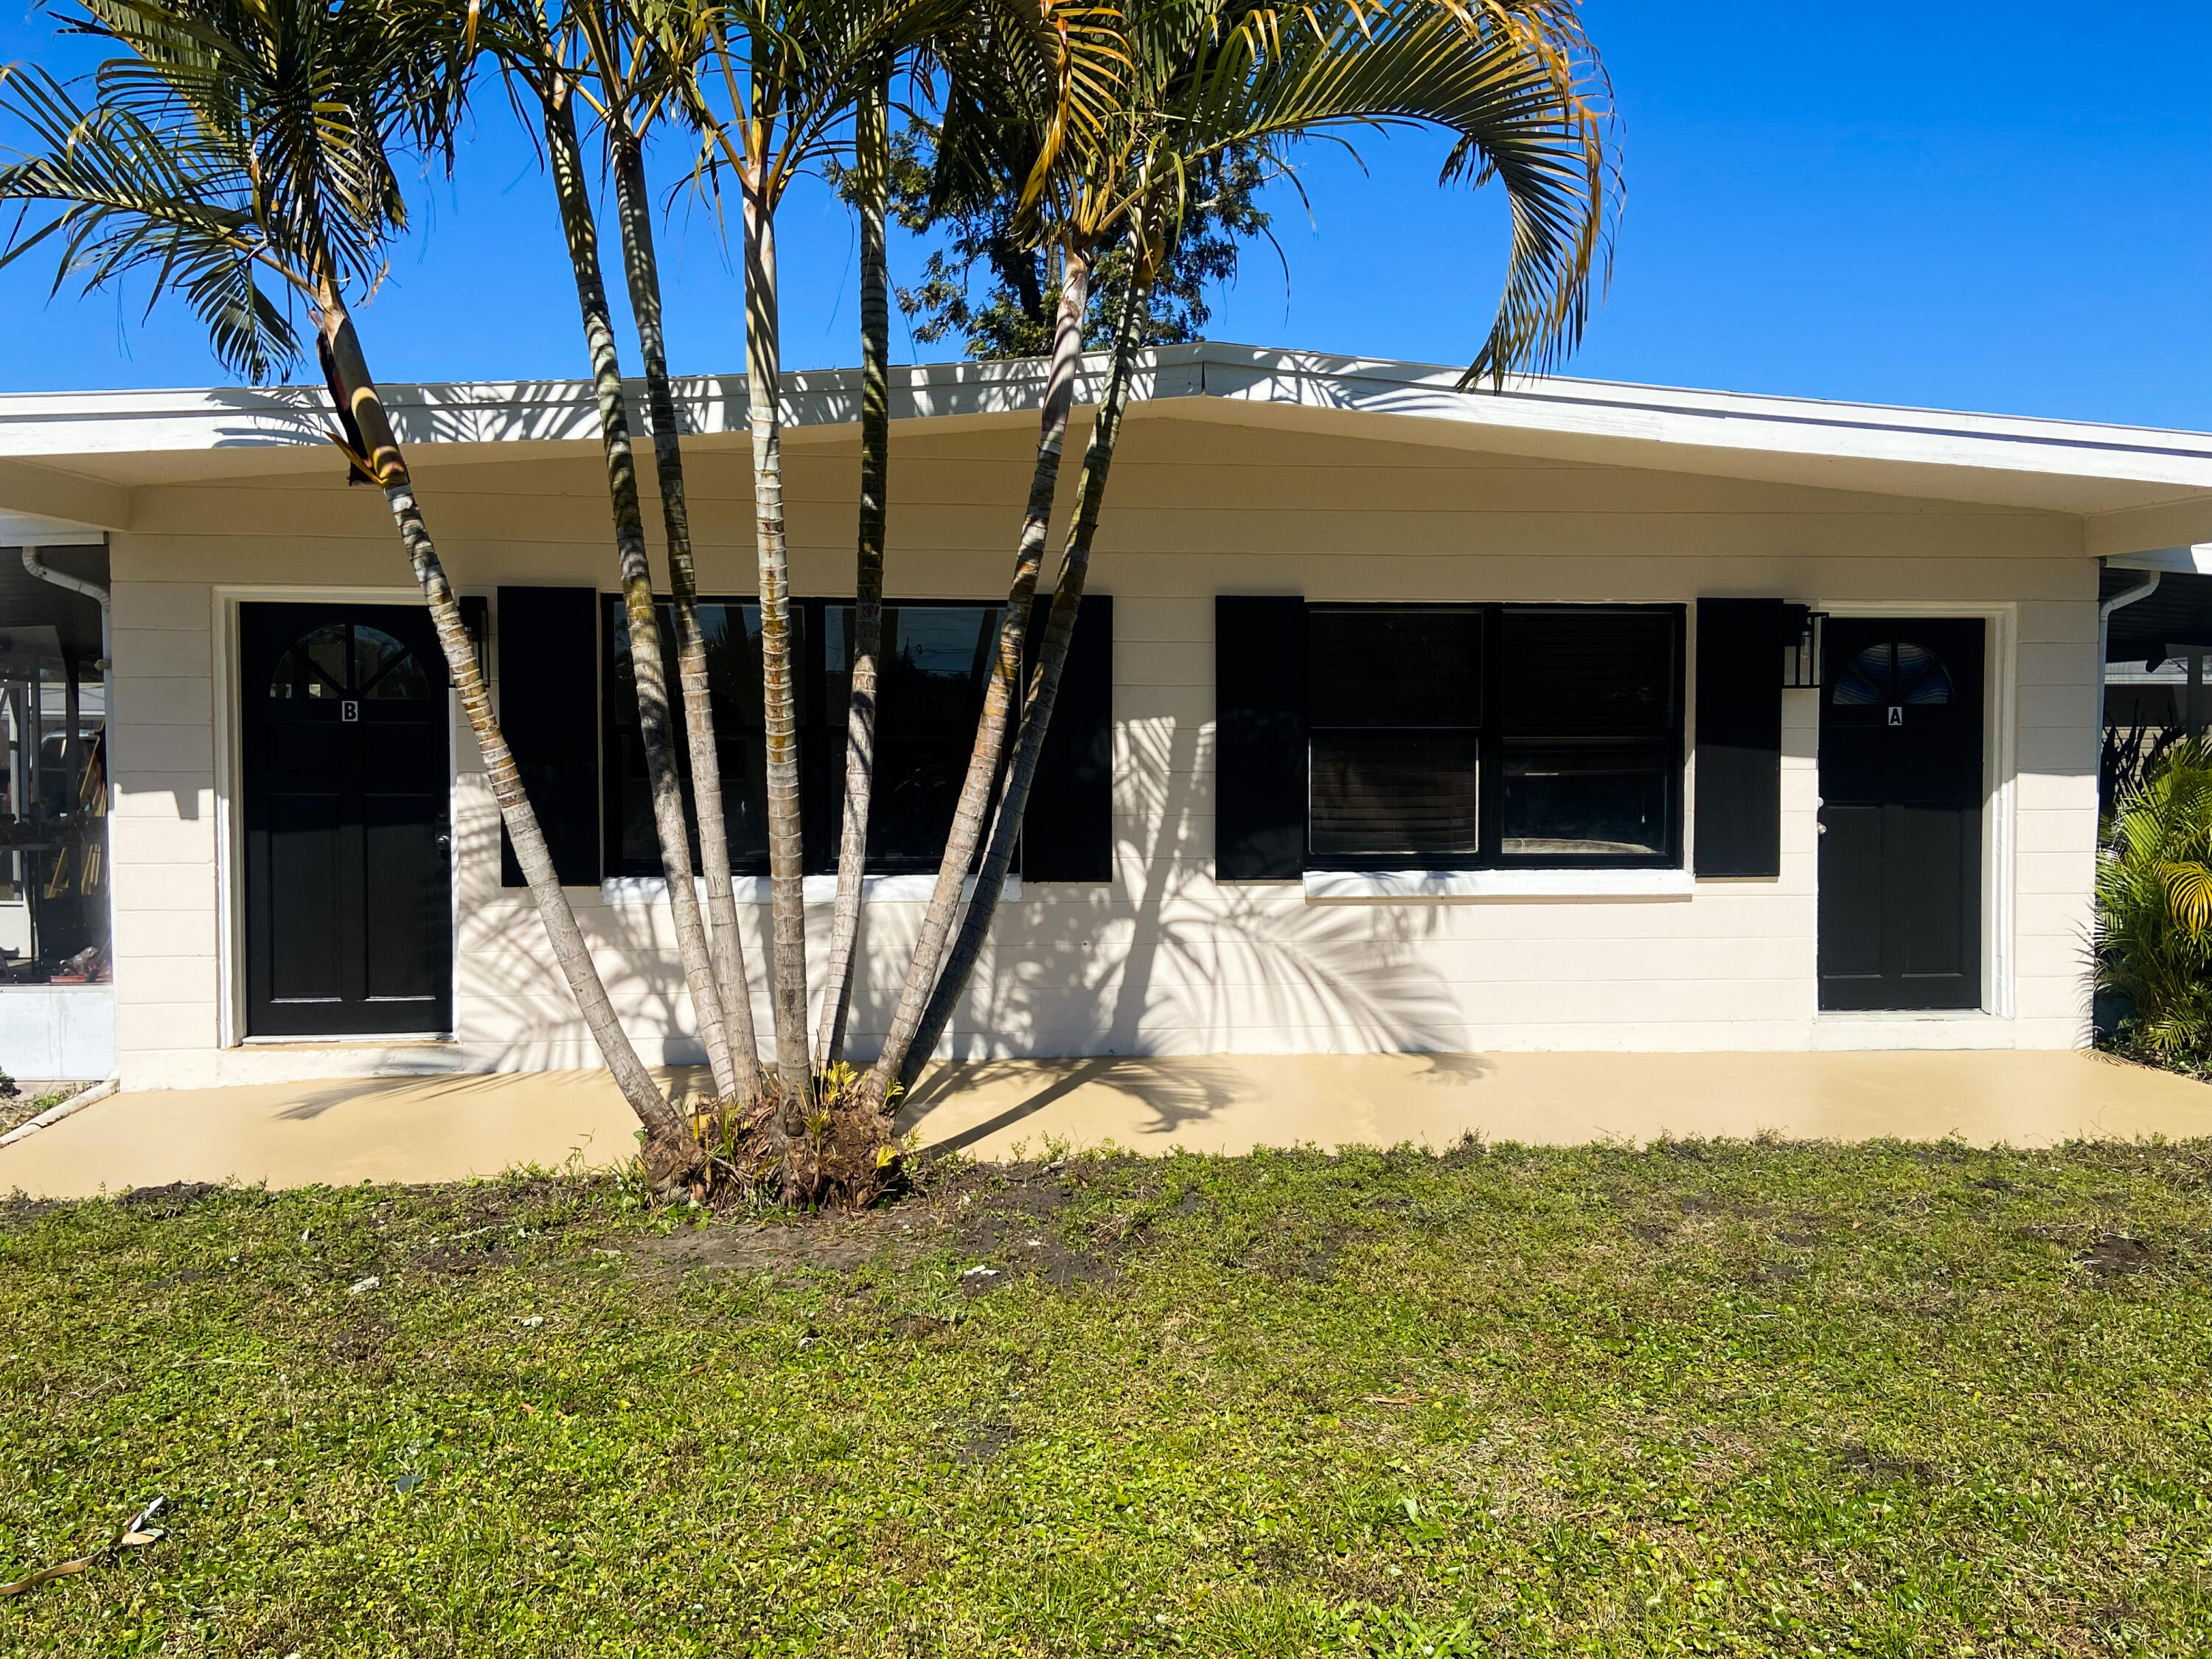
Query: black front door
(348, 862)
(1901, 814)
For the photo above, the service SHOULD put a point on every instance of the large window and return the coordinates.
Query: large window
(1470, 736)
(934, 661)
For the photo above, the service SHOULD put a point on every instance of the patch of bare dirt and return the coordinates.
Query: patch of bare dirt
(361, 1346)
(459, 1259)
(488, 1208)
(918, 1327)
(838, 1245)
(2115, 1255)
(1004, 1222)
(979, 1442)
(1872, 1466)
(1295, 1250)
(160, 1203)
(17, 1210)
(1008, 1221)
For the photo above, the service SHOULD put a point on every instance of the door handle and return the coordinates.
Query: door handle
(445, 844)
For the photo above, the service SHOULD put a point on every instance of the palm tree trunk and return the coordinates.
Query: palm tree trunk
(642, 267)
(1044, 687)
(668, 1137)
(999, 695)
(565, 155)
(786, 851)
(871, 147)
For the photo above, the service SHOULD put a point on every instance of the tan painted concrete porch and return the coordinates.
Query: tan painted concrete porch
(423, 1129)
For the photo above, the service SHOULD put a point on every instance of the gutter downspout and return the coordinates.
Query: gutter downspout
(2118, 601)
(93, 590)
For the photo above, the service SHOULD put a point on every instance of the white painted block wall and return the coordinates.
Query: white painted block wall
(1165, 960)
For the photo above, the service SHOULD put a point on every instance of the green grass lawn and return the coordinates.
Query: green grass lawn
(1707, 1398)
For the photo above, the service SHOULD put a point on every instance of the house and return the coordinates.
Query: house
(1578, 715)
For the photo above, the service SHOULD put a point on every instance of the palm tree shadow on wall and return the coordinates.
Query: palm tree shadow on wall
(1152, 976)
(529, 1023)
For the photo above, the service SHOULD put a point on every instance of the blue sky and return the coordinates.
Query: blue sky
(1966, 206)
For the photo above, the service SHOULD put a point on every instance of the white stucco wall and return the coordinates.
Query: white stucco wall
(1165, 960)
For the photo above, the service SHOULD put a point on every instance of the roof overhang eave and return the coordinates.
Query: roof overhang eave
(2133, 488)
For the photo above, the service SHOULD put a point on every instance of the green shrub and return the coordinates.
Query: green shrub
(2154, 926)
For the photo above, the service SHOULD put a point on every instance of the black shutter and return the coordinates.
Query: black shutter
(1067, 829)
(1739, 825)
(1260, 738)
(548, 708)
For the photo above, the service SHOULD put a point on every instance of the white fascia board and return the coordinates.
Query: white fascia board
(520, 412)
(1720, 420)
(1622, 416)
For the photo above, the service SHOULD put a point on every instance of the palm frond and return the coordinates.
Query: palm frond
(1515, 86)
(238, 153)
(115, 197)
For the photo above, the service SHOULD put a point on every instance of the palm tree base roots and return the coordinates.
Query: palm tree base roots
(840, 1153)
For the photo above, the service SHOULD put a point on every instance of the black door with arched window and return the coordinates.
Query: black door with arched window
(349, 859)
(1900, 866)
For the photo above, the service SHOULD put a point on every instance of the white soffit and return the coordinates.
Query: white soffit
(132, 439)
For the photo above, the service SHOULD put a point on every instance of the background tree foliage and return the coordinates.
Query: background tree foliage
(1012, 315)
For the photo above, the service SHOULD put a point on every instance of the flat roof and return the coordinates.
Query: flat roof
(76, 457)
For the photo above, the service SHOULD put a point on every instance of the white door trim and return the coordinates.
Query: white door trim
(230, 775)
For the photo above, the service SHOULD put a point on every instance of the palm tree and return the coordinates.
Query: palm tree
(870, 176)
(633, 45)
(1053, 65)
(239, 155)
(1023, 90)
(538, 54)
(774, 79)
(1510, 79)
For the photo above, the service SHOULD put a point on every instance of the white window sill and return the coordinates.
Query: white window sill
(1852, 1030)
(1371, 884)
(819, 889)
